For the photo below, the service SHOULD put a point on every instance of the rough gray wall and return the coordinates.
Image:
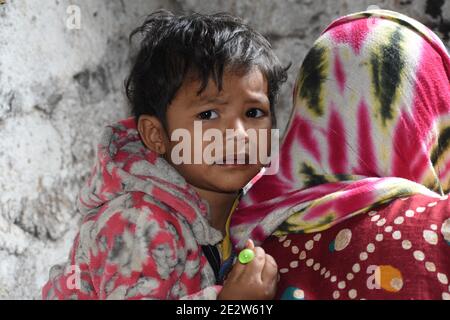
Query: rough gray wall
(60, 86)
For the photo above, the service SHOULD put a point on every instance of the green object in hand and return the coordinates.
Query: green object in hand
(246, 256)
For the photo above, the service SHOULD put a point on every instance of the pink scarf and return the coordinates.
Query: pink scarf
(371, 123)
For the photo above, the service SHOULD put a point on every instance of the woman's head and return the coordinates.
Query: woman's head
(372, 99)
(371, 106)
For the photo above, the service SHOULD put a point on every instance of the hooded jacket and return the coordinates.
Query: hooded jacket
(142, 229)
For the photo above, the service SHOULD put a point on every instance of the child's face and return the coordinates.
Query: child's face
(242, 104)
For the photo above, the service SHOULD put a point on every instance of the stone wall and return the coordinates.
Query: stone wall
(61, 81)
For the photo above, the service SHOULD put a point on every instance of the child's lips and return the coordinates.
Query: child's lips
(234, 160)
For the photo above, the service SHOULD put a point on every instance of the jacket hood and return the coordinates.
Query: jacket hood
(124, 165)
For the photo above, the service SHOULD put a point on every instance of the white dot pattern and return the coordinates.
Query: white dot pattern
(430, 237)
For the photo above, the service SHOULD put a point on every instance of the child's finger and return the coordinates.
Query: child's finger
(270, 270)
(257, 264)
(238, 269)
(250, 244)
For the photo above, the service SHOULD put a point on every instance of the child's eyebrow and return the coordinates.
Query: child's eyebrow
(209, 99)
(257, 100)
(222, 101)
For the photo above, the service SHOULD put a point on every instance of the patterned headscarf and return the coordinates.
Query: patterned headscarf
(370, 123)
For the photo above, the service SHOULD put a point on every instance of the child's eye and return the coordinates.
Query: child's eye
(208, 115)
(255, 113)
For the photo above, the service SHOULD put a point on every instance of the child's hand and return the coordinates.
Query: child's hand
(256, 280)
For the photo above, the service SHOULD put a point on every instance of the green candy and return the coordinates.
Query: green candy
(246, 256)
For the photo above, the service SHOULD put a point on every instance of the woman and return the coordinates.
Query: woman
(357, 209)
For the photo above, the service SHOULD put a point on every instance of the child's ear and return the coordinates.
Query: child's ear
(152, 133)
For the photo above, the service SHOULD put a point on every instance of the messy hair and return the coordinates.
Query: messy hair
(204, 45)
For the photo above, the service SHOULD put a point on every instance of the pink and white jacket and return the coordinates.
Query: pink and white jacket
(142, 230)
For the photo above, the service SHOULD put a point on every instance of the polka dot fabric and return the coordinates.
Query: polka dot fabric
(399, 251)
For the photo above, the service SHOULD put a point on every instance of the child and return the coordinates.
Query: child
(150, 223)
(357, 209)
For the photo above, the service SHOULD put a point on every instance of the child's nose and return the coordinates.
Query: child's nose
(240, 130)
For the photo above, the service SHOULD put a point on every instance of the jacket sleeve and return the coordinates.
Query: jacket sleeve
(148, 254)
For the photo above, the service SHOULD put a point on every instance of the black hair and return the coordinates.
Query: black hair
(204, 45)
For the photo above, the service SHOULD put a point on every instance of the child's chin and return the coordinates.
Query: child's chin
(233, 179)
(229, 188)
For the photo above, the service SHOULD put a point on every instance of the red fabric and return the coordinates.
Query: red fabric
(407, 245)
(142, 230)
